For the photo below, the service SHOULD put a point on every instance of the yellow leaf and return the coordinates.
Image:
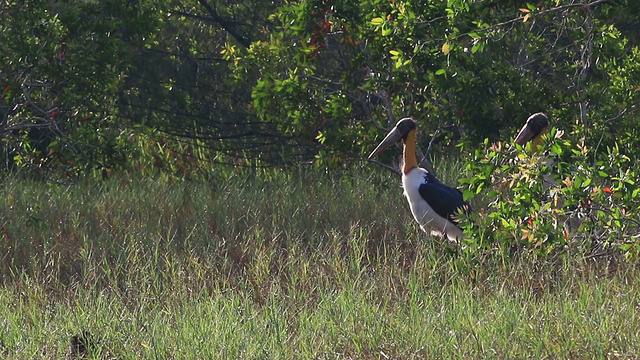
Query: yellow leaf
(568, 181)
(524, 10)
(526, 17)
(446, 48)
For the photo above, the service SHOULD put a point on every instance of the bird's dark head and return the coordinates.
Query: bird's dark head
(400, 131)
(537, 124)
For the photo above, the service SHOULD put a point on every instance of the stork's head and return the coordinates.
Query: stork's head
(400, 131)
(536, 126)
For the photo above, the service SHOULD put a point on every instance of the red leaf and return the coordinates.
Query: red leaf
(607, 190)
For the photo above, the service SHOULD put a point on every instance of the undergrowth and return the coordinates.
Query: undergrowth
(269, 264)
(566, 198)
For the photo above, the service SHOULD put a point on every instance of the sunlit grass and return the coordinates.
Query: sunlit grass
(298, 265)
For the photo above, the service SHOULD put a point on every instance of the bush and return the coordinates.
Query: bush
(571, 198)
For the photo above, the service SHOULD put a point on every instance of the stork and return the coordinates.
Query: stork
(434, 205)
(532, 132)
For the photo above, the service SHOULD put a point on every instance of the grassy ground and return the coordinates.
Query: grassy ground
(284, 266)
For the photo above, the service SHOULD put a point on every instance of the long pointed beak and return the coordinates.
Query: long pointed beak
(524, 135)
(392, 137)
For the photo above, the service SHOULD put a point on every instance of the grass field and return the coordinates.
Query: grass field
(304, 265)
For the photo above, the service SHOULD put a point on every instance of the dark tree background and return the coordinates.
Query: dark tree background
(93, 86)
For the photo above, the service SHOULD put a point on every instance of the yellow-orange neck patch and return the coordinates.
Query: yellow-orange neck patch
(409, 153)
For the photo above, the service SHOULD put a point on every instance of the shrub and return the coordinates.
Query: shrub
(571, 197)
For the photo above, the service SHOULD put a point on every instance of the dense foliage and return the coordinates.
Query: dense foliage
(91, 87)
(314, 79)
(63, 71)
(569, 200)
(479, 68)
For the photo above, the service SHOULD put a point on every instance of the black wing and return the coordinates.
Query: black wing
(443, 199)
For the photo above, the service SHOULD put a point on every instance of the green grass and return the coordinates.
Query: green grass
(303, 265)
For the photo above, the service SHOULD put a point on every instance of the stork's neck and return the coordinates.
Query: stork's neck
(536, 143)
(409, 154)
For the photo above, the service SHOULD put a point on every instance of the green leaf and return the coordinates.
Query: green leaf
(556, 149)
(467, 195)
(479, 46)
(377, 21)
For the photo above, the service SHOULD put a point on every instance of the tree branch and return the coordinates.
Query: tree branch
(226, 25)
(388, 167)
(543, 12)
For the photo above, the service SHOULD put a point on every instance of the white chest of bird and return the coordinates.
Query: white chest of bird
(416, 185)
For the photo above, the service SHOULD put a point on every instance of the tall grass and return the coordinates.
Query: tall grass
(283, 265)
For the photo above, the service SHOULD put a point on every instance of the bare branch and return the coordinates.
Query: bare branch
(26, 126)
(227, 25)
(388, 167)
(620, 114)
(543, 12)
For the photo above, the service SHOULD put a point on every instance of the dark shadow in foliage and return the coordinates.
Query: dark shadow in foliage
(81, 346)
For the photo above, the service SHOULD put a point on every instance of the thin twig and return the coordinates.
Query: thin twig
(620, 114)
(608, 211)
(388, 167)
